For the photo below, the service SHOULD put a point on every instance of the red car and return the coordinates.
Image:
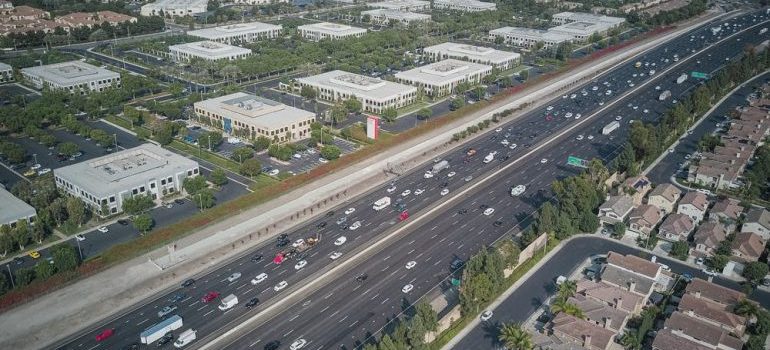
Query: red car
(105, 334)
(404, 215)
(210, 296)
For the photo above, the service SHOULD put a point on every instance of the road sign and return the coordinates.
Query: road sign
(575, 161)
(699, 75)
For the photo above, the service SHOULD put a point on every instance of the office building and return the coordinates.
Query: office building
(375, 94)
(207, 50)
(6, 73)
(464, 5)
(528, 38)
(401, 5)
(174, 8)
(384, 17)
(14, 209)
(238, 33)
(73, 76)
(477, 54)
(441, 78)
(331, 31)
(570, 17)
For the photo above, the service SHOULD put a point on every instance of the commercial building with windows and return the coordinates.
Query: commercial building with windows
(251, 116)
(332, 31)
(580, 31)
(258, 2)
(6, 73)
(106, 181)
(174, 8)
(375, 94)
(570, 17)
(441, 78)
(476, 54)
(207, 50)
(14, 209)
(385, 16)
(74, 76)
(464, 5)
(527, 37)
(402, 5)
(239, 32)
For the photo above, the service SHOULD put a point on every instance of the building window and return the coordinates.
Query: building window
(141, 189)
(152, 185)
(112, 199)
(162, 182)
(134, 191)
(195, 171)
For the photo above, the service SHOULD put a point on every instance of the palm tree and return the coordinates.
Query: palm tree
(630, 341)
(746, 308)
(558, 305)
(567, 289)
(514, 337)
(574, 310)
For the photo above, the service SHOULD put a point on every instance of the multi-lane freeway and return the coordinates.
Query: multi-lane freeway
(345, 311)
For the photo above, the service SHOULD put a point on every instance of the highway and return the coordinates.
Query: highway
(356, 308)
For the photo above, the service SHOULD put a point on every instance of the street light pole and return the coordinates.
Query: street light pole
(10, 274)
(80, 251)
(115, 136)
(35, 155)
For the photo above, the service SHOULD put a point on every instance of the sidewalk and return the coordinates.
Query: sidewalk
(119, 288)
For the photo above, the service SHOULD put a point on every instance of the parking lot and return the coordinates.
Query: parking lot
(10, 91)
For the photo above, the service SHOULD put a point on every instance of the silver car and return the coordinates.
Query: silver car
(166, 310)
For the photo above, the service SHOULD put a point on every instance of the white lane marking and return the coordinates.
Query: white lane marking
(352, 324)
(411, 251)
(293, 317)
(434, 236)
(287, 333)
(255, 343)
(202, 307)
(434, 227)
(385, 269)
(386, 258)
(460, 246)
(193, 304)
(249, 290)
(384, 301)
(375, 296)
(328, 295)
(324, 309)
(437, 262)
(334, 314)
(145, 320)
(241, 286)
(343, 319)
(212, 310)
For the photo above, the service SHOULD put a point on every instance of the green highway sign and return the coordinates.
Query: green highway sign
(575, 161)
(699, 75)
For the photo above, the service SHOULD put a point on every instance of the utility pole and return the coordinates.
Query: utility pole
(10, 274)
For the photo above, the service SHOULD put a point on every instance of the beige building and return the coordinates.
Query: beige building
(207, 51)
(238, 33)
(477, 54)
(385, 17)
(331, 31)
(708, 236)
(376, 95)
(665, 196)
(442, 78)
(75, 77)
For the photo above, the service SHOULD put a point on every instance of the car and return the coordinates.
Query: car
(646, 110)
(132, 346)
(340, 240)
(300, 264)
(444, 192)
(281, 285)
(44, 171)
(273, 172)
(550, 108)
(498, 129)
(335, 255)
(518, 190)
(209, 297)
(462, 211)
(103, 335)
(572, 96)
(512, 146)
(468, 178)
(35, 166)
(188, 282)
(123, 222)
(234, 276)
(177, 297)
(618, 118)
(349, 211)
(418, 191)
(407, 288)
(259, 279)
(489, 211)
(103, 229)
(179, 201)
(456, 264)
(543, 161)
(257, 258)
(594, 88)
(445, 184)
(167, 310)
(18, 260)
(497, 223)
(342, 220)
(169, 205)
(166, 339)
(298, 243)
(252, 302)
(687, 277)
(590, 137)
(483, 206)
(391, 189)
(321, 225)
(34, 254)
(579, 137)
(80, 238)
(297, 156)
(699, 261)
(451, 173)
(298, 344)
(273, 345)
(709, 272)
(322, 160)
(470, 152)
(411, 264)
(486, 315)
(568, 115)
(577, 116)
(406, 193)
(362, 277)
(636, 107)
(282, 243)
(355, 226)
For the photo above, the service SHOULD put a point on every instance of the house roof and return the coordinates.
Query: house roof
(749, 244)
(625, 280)
(710, 234)
(668, 191)
(727, 207)
(638, 183)
(645, 215)
(666, 340)
(703, 308)
(634, 263)
(759, 216)
(677, 223)
(578, 329)
(696, 199)
(711, 291)
(701, 330)
(599, 312)
(618, 204)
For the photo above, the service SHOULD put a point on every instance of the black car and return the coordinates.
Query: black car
(134, 346)
(483, 207)
(330, 213)
(462, 211)
(362, 277)
(506, 157)
(456, 264)
(179, 201)
(283, 237)
(256, 258)
(166, 339)
(188, 283)
(18, 260)
(321, 224)
(123, 222)
(445, 184)
(282, 243)
(252, 302)
(273, 345)
(498, 223)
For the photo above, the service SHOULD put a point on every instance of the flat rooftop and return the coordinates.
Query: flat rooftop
(399, 4)
(473, 52)
(397, 15)
(580, 28)
(470, 3)
(5, 66)
(13, 208)
(124, 170)
(589, 17)
(443, 71)
(533, 34)
(210, 49)
(233, 30)
(70, 73)
(255, 110)
(179, 3)
(332, 28)
(359, 85)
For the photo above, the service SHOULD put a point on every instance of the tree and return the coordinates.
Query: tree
(308, 92)
(138, 204)
(143, 223)
(424, 113)
(242, 153)
(755, 271)
(204, 199)
(193, 185)
(24, 276)
(261, 143)
(76, 210)
(718, 262)
(210, 140)
(514, 337)
(65, 257)
(218, 177)
(747, 308)
(679, 250)
(567, 289)
(630, 340)
(330, 152)
(456, 103)
(68, 148)
(619, 229)
(44, 270)
(353, 105)
(546, 221)
(4, 284)
(427, 315)
(250, 167)
(389, 114)
(48, 140)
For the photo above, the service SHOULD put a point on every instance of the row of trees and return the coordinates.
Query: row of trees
(408, 332)
(198, 191)
(64, 258)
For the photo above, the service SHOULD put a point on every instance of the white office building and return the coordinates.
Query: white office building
(257, 2)
(74, 76)
(6, 73)
(104, 182)
(401, 5)
(385, 16)
(464, 5)
(332, 31)
(174, 8)
(14, 209)
(238, 33)
(477, 54)
(569, 17)
(375, 94)
(207, 50)
(441, 78)
(251, 116)
(527, 37)
(580, 31)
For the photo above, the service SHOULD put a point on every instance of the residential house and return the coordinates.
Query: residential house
(747, 246)
(726, 211)
(637, 187)
(694, 205)
(667, 340)
(664, 196)
(92, 19)
(713, 313)
(600, 313)
(643, 219)
(615, 209)
(714, 293)
(582, 333)
(708, 236)
(621, 298)
(676, 227)
(702, 332)
(635, 274)
(757, 221)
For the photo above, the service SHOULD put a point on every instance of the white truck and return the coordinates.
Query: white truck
(158, 330)
(681, 78)
(185, 338)
(607, 129)
(490, 157)
(664, 95)
(437, 168)
(381, 203)
(228, 302)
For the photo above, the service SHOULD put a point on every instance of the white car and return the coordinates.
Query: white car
(636, 107)
(518, 190)
(577, 116)
(391, 189)
(444, 192)
(300, 264)
(657, 87)
(618, 118)
(573, 96)
(340, 240)
(35, 166)
(234, 277)
(297, 156)
(646, 111)
(418, 191)
(594, 88)
(44, 171)
(298, 243)
(280, 285)
(335, 255)
(406, 193)
(498, 129)
(486, 315)
(355, 226)
(489, 211)
(428, 174)
(103, 229)
(504, 142)
(350, 211)
(80, 238)
(549, 108)
(710, 272)
(590, 137)
(543, 161)
(451, 173)
(609, 92)
(273, 172)
(568, 115)
(322, 160)
(579, 137)
(298, 344)
(259, 279)
(512, 146)
(407, 288)
(411, 264)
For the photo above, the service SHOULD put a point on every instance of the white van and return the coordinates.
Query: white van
(228, 302)
(185, 338)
